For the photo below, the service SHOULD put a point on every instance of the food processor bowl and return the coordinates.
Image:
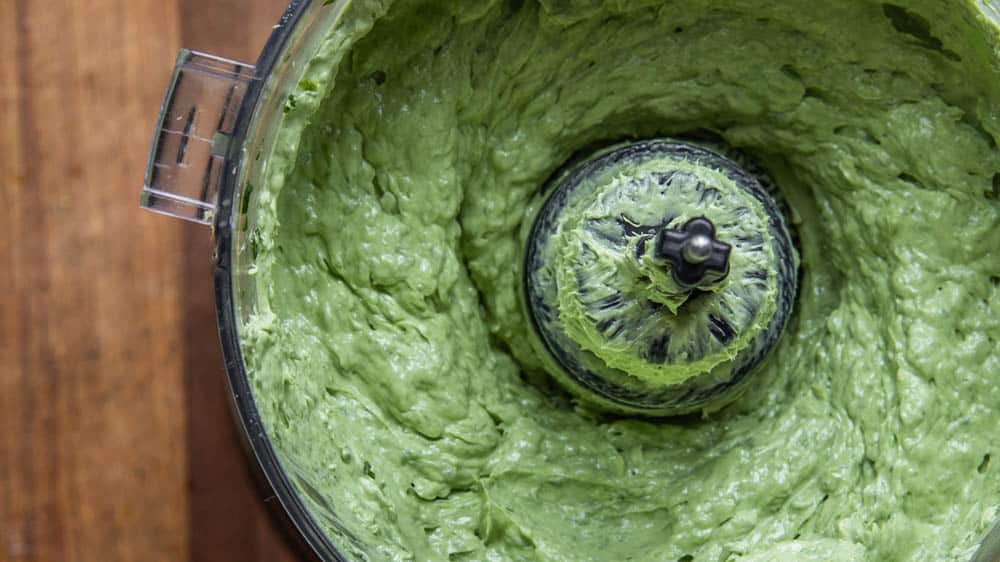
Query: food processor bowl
(218, 128)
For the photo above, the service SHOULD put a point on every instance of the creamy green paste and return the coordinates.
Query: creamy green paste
(388, 239)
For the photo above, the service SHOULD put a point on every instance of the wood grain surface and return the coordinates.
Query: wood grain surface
(115, 437)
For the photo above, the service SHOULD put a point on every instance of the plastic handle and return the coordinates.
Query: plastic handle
(197, 119)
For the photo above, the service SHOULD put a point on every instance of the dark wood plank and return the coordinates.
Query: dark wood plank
(115, 437)
(236, 29)
(91, 386)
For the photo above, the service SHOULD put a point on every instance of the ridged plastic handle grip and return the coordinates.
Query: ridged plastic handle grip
(188, 154)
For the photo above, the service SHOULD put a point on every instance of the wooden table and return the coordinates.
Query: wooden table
(115, 437)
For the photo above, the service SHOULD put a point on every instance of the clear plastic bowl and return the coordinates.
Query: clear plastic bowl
(205, 178)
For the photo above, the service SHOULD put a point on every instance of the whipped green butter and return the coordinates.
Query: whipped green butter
(392, 361)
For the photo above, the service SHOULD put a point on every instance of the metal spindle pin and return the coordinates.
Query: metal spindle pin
(697, 249)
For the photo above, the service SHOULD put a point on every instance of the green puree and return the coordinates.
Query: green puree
(391, 359)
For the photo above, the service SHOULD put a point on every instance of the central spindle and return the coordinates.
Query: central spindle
(657, 276)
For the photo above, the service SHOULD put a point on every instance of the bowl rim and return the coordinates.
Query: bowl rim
(298, 521)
